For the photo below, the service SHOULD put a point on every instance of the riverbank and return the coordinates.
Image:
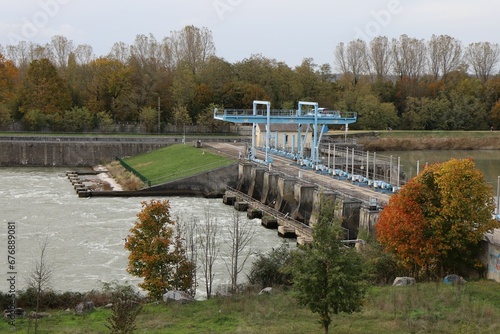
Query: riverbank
(421, 308)
(429, 140)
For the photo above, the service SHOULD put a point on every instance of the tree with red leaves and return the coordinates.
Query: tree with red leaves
(156, 254)
(435, 223)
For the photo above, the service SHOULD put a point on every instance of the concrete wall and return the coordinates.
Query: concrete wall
(291, 196)
(208, 184)
(84, 152)
(493, 253)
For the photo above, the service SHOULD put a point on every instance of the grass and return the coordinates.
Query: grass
(422, 308)
(175, 162)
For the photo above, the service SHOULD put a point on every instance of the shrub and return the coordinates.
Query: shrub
(266, 270)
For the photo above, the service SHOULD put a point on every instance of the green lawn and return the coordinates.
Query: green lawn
(422, 308)
(175, 162)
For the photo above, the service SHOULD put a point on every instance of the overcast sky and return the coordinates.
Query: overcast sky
(287, 30)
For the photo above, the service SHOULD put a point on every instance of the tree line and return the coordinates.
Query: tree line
(403, 83)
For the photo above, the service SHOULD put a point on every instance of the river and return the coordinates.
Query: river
(488, 161)
(85, 236)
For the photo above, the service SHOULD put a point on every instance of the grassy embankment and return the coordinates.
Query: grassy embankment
(433, 140)
(168, 164)
(423, 308)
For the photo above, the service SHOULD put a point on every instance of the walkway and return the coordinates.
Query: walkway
(287, 167)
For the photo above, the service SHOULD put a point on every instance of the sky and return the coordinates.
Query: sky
(285, 30)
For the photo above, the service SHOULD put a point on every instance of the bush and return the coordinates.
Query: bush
(267, 268)
(381, 266)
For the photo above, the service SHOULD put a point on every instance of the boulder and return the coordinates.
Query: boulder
(39, 315)
(403, 281)
(177, 297)
(14, 313)
(266, 291)
(84, 307)
(454, 279)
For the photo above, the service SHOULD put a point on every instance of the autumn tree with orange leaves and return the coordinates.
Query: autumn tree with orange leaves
(435, 223)
(156, 254)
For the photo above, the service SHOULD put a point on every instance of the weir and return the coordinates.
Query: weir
(292, 198)
(69, 151)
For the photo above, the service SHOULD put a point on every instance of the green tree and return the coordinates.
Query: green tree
(372, 114)
(105, 121)
(426, 114)
(40, 279)
(149, 118)
(107, 82)
(35, 120)
(216, 73)
(268, 269)
(435, 223)
(43, 90)
(125, 308)
(206, 118)
(8, 87)
(328, 276)
(183, 86)
(155, 254)
(78, 119)
(181, 115)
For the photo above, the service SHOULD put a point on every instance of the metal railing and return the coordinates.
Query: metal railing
(303, 228)
(135, 172)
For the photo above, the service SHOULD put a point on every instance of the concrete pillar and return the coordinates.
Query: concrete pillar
(285, 202)
(255, 190)
(368, 218)
(303, 195)
(348, 214)
(244, 176)
(317, 201)
(270, 188)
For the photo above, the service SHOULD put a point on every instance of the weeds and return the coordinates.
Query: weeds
(421, 308)
(431, 143)
(124, 178)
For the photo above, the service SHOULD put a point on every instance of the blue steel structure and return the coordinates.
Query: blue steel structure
(312, 116)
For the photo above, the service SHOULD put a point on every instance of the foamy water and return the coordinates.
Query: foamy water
(86, 235)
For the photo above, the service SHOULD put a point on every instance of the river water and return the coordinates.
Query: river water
(488, 161)
(85, 236)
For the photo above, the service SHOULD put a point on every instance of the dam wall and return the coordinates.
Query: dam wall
(301, 201)
(71, 151)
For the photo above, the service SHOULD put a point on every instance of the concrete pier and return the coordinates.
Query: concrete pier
(269, 222)
(298, 201)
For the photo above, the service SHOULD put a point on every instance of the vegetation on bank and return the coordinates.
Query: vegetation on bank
(423, 308)
(431, 140)
(127, 180)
